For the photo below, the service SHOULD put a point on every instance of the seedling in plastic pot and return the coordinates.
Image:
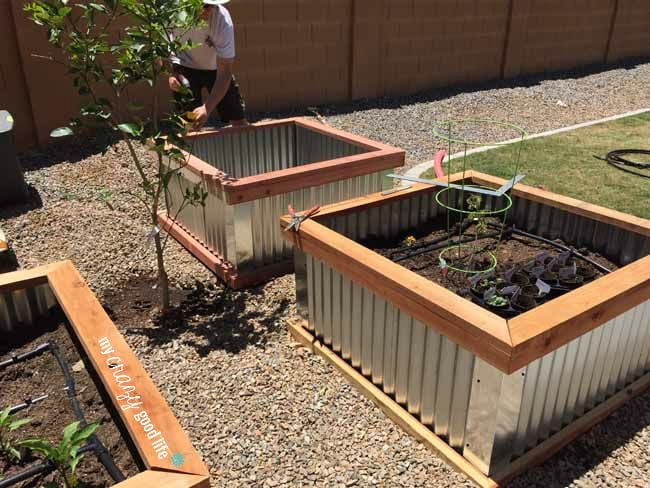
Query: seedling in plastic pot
(497, 301)
(8, 424)
(64, 456)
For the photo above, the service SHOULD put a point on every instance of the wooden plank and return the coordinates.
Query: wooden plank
(200, 251)
(314, 174)
(555, 323)
(165, 479)
(470, 326)
(158, 436)
(235, 279)
(578, 207)
(242, 128)
(26, 278)
(392, 409)
(553, 444)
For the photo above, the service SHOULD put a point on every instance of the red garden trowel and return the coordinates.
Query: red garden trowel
(296, 220)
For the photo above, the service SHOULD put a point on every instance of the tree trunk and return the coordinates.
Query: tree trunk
(163, 280)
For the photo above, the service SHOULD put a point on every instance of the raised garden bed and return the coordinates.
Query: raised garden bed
(50, 314)
(251, 174)
(493, 395)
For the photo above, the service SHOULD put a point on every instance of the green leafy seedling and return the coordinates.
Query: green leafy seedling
(497, 301)
(8, 424)
(65, 455)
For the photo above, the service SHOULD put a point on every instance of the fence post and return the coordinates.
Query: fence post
(515, 45)
(608, 48)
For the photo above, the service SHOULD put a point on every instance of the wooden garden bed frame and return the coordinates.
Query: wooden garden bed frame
(508, 345)
(91, 324)
(379, 157)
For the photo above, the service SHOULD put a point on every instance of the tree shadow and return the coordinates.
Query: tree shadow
(68, 149)
(586, 452)
(209, 318)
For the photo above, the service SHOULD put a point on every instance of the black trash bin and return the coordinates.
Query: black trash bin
(12, 181)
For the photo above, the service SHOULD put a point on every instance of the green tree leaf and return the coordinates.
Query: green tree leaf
(131, 129)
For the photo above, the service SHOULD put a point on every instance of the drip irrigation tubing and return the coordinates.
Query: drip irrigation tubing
(575, 253)
(406, 249)
(100, 451)
(440, 245)
(27, 403)
(616, 159)
(43, 468)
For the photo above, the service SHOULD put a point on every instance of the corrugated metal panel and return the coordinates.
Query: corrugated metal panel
(557, 388)
(248, 235)
(494, 417)
(427, 373)
(25, 306)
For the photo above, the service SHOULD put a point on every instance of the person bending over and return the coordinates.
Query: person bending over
(210, 66)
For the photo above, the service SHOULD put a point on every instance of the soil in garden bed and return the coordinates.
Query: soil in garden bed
(42, 375)
(512, 287)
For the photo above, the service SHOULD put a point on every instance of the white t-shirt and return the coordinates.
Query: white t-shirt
(217, 39)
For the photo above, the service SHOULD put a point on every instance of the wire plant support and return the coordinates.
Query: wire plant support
(470, 203)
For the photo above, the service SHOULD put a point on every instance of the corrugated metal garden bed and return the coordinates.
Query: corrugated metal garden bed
(494, 396)
(251, 174)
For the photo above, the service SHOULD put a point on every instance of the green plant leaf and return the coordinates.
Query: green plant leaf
(131, 129)
(80, 436)
(62, 132)
(15, 453)
(18, 423)
(4, 415)
(75, 461)
(37, 445)
(69, 432)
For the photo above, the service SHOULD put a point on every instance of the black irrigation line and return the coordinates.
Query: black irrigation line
(409, 249)
(514, 230)
(28, 402)
(100, 451)
(440, 245)
(42, 469)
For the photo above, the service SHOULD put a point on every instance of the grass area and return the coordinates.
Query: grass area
(564, 164)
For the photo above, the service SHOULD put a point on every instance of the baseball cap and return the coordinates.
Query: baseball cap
(215, 2)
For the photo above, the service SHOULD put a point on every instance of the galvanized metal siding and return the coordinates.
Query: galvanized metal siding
(313, 146)
(248, 152)
(424, 371)
(267, 245)
(618, 245)
(554, 390)
(265, 149)
(25, 306)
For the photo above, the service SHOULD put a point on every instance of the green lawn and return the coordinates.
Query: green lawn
(564, 164)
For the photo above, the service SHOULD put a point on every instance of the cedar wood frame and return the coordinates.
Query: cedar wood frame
(89, 322)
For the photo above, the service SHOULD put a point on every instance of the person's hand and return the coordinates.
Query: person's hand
(200, 114)
(174, 84)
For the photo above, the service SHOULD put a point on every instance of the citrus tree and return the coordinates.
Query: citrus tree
(110, 48)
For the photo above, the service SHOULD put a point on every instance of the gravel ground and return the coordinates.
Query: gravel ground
(535, 104)
(261, 411)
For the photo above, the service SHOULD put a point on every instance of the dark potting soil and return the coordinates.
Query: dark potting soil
(512, 252)
(42, 375)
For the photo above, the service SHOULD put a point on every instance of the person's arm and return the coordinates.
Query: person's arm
(219, 89)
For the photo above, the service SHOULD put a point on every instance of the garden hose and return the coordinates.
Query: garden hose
(616, 159)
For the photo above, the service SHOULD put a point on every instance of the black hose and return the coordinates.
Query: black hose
(26, 404)
(101, 451)
(463, 228)
(616, 159)
(437, 246)
(43, 468)
(575, 253)
(25, 356)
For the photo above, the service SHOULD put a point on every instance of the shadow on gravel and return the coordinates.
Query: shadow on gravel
(582, 457)
(209, 317)
(438, 94)
(12, 210)
(68, 149)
